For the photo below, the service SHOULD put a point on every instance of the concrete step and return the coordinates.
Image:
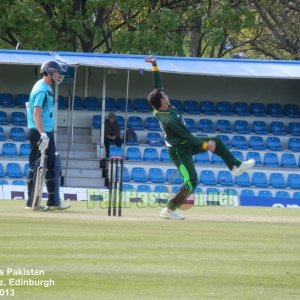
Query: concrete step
(76, 147)
(82, 173)
(78, 154)
(84, 182)
(77, 164)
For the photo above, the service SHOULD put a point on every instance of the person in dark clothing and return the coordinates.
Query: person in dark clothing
(112, 132)
(182, 145)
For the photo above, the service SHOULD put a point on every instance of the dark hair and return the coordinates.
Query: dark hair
(154, 98)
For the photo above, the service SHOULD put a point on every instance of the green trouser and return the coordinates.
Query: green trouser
(182, 157)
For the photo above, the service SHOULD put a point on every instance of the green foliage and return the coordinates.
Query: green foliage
(207, 28)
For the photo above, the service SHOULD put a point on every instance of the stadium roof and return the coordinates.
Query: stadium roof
(182, 65)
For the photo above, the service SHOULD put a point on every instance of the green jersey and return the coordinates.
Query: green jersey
(171, 122)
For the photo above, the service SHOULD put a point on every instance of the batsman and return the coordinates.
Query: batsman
(182, 145)
(40, 122)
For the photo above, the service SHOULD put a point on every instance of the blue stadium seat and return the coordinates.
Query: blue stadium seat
(259, 179)
(190, 124)
(2, 134)
(14, 170)
(152, 124)
(4, 97)
(178, 105)
(126, 176)
(2, 172)
(78, 104)
(3, 118)
(121, 104)
(160, 189)
(24, 149)
(18, 118)
(110, 104)
(207, 177)
(141, 105)
(273, 143)
(216, 159)
(121, 121)
(288, 160)
(96, 121)
(156, 175)
(241, 108)
(296, 195)
(3, 182)
(294, 128)
(274, 110)
(291, 110)
(17, 134)
(18, 182)
(271, 159)
(294, 144)
(230, 192)
(225, 178)
(127, 187)
(224, 126)
(276, 180)
(135, 122)
(61, 102)
(7, 100)
(143, 188)
(264, 194)
(293, 181)
(202, 158)
(206, 125)
(154, 139)
(211, 191)
(254, 155)
(175, 189)
(224, 108)
(115, 151)
(241, 126)
(133, 153)
(243, 180)
(91, 103)
(257, 143)
(21, 99)
(150, 154)
(191, 107)
(225, 139)
(173, 176)
(247, 193)
(208, 107)
(257, 109)
(260, 127)
(278, 128)
(9, 149)
(26, 169)
(239, 142)
(238, 154)
(282, 194)
(164, 155)
(138, 174)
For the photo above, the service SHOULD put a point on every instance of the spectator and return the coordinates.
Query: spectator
(112, 132)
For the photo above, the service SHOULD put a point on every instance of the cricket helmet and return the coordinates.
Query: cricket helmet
(51, 67)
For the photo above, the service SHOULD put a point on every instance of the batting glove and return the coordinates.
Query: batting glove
(43, 142)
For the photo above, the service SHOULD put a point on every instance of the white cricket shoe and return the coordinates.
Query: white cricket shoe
(245, 165)
(167, 213)
(40, 208)
(62, 206)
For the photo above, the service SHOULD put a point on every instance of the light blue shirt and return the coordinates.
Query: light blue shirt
(42, 96)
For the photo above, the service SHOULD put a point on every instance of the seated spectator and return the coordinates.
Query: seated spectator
(111, 133)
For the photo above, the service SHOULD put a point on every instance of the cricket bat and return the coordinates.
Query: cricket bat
(38, 187)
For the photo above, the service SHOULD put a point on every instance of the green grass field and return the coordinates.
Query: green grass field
(216, 253)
